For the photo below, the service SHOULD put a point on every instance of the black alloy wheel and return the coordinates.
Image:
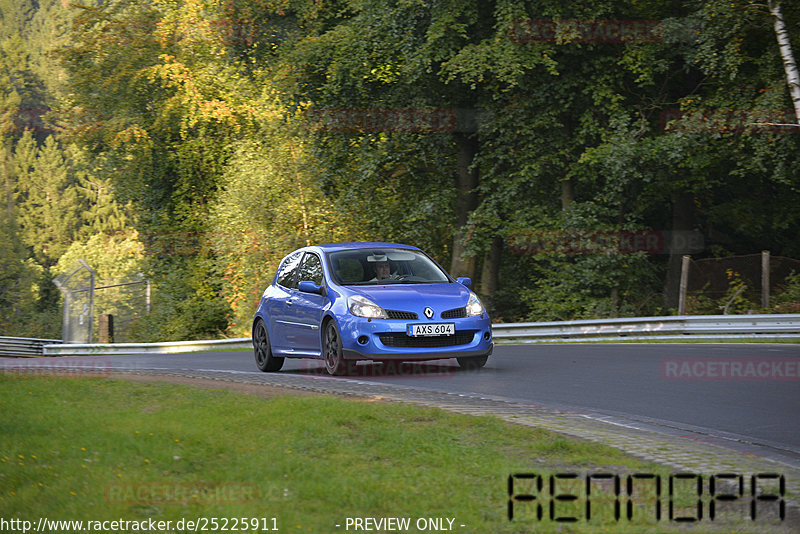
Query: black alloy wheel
(263, 351)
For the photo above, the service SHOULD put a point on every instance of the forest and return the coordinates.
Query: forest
(546, 149)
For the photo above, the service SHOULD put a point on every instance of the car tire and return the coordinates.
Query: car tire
(472, 362)
(335, 363)
(262, 350)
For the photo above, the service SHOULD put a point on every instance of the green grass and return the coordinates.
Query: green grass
(101, 449)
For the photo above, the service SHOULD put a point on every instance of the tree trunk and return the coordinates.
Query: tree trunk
(789, 65)
(8, 194)
(682, 220)
(490, 275)
(466, 182)
(567, 193)
(299, 181)
(615, 301)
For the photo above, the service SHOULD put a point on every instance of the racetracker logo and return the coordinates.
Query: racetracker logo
(388, 368)
(368, 120)
(192, 243)
(50, 120)
(605, 242)
(204, 493)
(781, 369)
(729, 121)
(222, 30)
(586, 31)
(66, 366)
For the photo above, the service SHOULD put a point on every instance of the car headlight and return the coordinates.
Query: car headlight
(363, 307)
(474, 306)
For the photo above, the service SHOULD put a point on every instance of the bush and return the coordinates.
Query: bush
(788, 298)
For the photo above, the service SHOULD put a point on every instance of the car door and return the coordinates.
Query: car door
(307, 309)
(279, 308)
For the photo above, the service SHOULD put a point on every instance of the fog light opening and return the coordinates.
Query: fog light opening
(487, 335)
(363, 340)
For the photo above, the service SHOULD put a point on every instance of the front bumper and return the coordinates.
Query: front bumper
(386, 339)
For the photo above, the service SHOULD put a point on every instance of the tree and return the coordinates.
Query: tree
(248, 128)
(381, 62)
(269, 205)
(581, 145)
(14, 280)
(171, 109)
(785, 45)
(49, 210)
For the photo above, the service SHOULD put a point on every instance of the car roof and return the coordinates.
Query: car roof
(333, 247)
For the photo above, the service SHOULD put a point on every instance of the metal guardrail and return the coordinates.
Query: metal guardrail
(168, 347)
(683, 327)
(22, 346)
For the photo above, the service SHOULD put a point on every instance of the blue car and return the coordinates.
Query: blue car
(346, 302)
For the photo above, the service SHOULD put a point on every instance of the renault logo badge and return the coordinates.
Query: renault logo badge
(428, 313)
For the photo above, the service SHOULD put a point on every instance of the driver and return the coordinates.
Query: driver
(382, 271)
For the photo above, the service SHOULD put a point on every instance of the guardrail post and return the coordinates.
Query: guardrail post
(765, 279)
(684, 284)
(106, 333)
(147, 297)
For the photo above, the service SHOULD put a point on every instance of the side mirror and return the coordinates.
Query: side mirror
(464, 281)
(307, 286)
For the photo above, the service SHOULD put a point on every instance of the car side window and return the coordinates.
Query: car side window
(311, 269)
(286, 276)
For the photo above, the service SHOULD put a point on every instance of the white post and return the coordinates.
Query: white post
(684, 284)
(765, 279)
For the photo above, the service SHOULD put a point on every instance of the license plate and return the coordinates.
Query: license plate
(432, 329)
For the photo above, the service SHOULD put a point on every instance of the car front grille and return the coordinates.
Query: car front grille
(394, 314)
(454, 314)
(403, 340)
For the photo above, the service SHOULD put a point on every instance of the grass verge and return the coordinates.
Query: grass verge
(97, 449)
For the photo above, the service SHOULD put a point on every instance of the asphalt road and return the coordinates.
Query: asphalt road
(661, 385)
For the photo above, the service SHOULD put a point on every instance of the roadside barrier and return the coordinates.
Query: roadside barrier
(645, 329)
(23, 346)
(680, 327)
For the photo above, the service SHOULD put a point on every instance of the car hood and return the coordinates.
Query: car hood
(415, 297)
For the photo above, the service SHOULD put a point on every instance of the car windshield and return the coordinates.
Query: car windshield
(374, 266)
